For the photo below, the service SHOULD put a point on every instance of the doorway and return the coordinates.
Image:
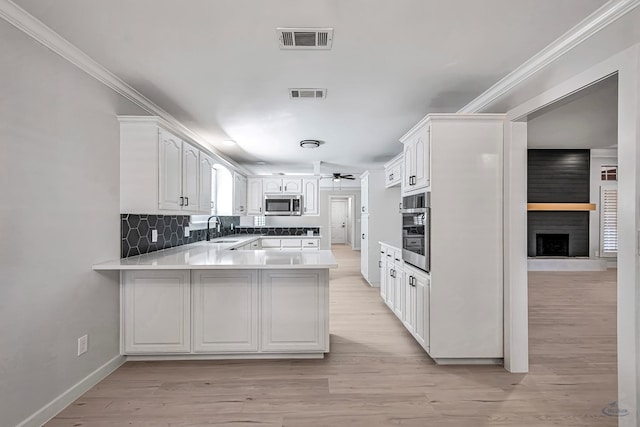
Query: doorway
(339, 221)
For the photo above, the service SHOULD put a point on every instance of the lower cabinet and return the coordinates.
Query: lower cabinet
(294, 311)
(156, 312)
(421, 303)
(225, 311)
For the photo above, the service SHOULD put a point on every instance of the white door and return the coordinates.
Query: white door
(254, 196)
(364, 194)
(364, 247)
(421, 174)
(422, 310)
(310, 196)
(408, 166)
(338, 221)
(225, 311)
(170, 172)
(156, 312)
(190, 177)
(207, 187)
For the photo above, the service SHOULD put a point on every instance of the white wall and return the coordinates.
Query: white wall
(599, 158)
(59, 205)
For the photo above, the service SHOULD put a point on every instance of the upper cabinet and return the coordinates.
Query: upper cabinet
(162, 174)
(416, 173)
(393, 171)
(254, 196)
(310, 196)
(364, 193)
(282, 185)
(239, 194)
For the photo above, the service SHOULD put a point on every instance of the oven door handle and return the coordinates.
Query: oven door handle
(413, 210)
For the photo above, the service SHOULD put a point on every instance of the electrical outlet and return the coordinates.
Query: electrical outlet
(186, 231)
(83, 344)
(154, 236)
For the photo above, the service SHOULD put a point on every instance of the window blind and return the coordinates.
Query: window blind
(609, 212)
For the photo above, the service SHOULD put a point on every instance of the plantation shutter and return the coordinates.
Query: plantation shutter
(609, 222)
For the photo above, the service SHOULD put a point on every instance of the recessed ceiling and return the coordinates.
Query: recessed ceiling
(585, 119)
(218, 68)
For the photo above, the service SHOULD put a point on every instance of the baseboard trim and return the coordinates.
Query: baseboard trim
(53, 408)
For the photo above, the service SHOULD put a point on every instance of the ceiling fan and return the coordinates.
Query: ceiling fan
(336, 176)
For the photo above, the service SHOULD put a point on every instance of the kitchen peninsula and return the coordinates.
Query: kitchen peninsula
(214, 300)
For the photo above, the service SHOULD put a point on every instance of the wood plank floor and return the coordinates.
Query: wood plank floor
(376, 375)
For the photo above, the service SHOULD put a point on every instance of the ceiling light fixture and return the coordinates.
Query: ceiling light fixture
(309, 143)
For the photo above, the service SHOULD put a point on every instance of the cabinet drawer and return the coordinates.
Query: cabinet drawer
(310, 243)
(270, 243)
(292, 243)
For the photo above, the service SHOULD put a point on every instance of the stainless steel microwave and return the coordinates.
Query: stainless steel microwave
(416, 233)
(282, 204)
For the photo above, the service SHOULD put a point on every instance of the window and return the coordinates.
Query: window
(608, 220)
(608, 173)
(260, 221)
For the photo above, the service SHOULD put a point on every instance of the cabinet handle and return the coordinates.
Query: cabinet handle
(281, 188)
(390, 177)
(379, 264)
(397, 259)
(186, 203)
(400, 207)
(181, 201)
(260, 209)
(363, 209)
(389, 255)
(362, 236)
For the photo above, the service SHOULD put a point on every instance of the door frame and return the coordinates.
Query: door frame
(626, 65)
(351, 199)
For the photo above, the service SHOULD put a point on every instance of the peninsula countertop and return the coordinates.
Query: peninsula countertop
(211, 255)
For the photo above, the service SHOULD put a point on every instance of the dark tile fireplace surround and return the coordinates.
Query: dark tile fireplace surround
(558, 176)
(135, 232)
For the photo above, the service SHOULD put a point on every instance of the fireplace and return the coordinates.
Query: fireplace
(552, 244)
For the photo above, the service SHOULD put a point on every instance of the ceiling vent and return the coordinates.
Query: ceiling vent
(305, 38)
(310, 93)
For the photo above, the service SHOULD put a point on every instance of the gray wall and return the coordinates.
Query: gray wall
(59, 204)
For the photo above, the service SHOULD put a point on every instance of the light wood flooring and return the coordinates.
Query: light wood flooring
(376, 375)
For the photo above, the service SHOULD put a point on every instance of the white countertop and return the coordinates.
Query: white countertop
(211, 255)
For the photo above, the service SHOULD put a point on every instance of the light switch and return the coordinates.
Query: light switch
(154, 236)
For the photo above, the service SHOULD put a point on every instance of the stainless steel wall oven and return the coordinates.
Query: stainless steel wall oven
(416, 221)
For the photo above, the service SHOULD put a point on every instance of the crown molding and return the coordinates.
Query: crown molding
(37, 30)
(592, 24)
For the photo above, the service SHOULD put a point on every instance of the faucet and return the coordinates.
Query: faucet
(209, 225)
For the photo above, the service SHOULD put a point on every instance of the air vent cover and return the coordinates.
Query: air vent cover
(305, 38)
(308, 93)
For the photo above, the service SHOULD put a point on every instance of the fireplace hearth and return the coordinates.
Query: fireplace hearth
(552, 245)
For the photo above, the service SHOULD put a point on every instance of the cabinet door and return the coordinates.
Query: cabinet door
(408, 166)
(364, 194)
(364, 246)
(421, 174)
(225, 311)
(293, 186)
(391, 285)
(254, 196)
(207, 187)
(310, 196)
(399, 297)
(409, 312)
(272, 185)
(239, 194)
(156, 312)
(294, 310)
(423, 293)
(383, 277)
(190, 177)
(170, 172)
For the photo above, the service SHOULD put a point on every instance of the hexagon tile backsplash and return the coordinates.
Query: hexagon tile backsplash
(135, 232)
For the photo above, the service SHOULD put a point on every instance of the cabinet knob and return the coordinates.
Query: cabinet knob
(363, 236)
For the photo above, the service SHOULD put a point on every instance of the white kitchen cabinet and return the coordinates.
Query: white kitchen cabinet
(399, 295)
(271, 244)
(310, 196)
(422, 304)
(268, 243)
(156, 312)
(416, 159)
(364, 193)
(225, 311)
(294, 310)
(382, 264)
(255, 196)
(239, 194)
(382, 222)
(160, 173)
(207, 184)
(282, 185)
(393, 171)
